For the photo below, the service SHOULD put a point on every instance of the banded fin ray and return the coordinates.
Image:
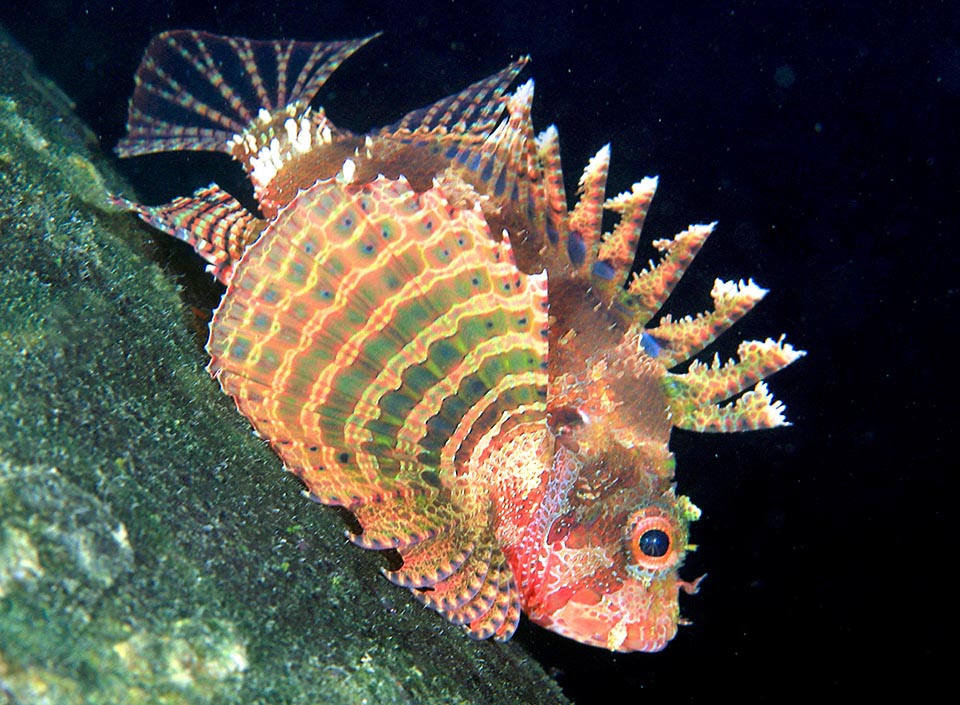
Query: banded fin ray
(555, 196)
(481, 136)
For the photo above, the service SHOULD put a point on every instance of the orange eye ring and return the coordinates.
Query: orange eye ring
(654, 541)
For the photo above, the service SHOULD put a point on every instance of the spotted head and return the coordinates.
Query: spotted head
(606, 537)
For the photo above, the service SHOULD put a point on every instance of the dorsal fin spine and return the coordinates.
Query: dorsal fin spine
(548, 152)
(683, 338)
(694, 395)
(585, 219)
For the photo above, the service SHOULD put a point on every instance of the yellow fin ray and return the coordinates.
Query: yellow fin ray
(681, 339)
(650, 288)
(694, 395)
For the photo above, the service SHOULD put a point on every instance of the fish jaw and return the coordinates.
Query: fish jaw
(636, 617)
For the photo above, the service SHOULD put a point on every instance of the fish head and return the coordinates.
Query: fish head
(611, 550)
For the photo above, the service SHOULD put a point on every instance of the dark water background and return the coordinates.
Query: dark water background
(824, 139)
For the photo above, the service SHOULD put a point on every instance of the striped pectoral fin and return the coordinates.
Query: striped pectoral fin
(375, 315)
(694, 396)
(377, 337)
(211, 221)
(679, 340)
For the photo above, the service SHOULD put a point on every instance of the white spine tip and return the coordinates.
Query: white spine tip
(347, 171)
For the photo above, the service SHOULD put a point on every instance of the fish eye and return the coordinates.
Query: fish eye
(654, 543)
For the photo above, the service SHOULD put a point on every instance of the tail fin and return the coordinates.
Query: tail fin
(198, 91)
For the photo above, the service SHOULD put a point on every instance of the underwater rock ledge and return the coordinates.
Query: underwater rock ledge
(151, 548)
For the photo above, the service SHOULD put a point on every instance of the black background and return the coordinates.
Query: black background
(824, 140)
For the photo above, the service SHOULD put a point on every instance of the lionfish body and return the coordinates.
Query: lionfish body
(430, 338)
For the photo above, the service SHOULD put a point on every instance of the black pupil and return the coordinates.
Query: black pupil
(654, 543)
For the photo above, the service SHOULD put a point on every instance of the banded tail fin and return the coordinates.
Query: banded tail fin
(211, 221)
(198, 91)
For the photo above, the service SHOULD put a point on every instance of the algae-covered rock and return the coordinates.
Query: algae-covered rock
(151, 548)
